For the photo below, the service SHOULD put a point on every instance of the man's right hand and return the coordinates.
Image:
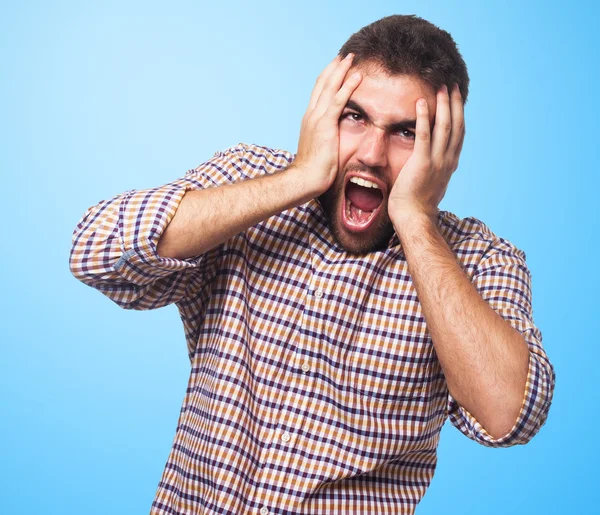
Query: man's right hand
(318, 146)
(209, 216)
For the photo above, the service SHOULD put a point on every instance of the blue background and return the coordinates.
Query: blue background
(97, 99)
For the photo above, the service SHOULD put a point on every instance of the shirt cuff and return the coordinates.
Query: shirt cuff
(532, 416)
(143, 217)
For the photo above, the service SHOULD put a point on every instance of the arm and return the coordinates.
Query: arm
(484, 359)
(118, 245)
(114, 247)
(206, 218)
(497, 373)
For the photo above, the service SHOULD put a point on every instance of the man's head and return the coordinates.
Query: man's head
(402, 58)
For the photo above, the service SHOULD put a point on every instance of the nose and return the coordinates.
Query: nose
(372, 149)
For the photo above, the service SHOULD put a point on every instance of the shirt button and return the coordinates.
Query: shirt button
(286, 438)
(305, 367)
(264, 511)
(319, 293)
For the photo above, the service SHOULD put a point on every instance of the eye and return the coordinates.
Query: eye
(406, 133)
(353, 116)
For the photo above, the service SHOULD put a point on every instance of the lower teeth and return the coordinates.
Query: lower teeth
(359, 213)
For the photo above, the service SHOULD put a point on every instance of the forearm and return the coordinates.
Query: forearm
(484, 359)
(205, 218)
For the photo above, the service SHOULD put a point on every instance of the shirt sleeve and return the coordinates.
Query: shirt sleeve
(503, 279)
(114, 243)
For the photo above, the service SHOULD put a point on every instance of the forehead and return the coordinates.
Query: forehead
(387, 97)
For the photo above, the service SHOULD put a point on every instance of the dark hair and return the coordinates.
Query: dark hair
(407, 44)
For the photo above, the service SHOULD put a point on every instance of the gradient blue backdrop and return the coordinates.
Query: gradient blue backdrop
(100, 98)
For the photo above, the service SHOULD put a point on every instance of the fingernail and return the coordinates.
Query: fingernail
(349, 56)
(421, 101)
(444, 88)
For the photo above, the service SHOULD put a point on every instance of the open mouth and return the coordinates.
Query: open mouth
(363, 200)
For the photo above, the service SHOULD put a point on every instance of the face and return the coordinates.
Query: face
(376, 138)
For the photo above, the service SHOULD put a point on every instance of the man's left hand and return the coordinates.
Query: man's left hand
(422, 182)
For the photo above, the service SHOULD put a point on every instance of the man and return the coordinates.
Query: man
(334, 316)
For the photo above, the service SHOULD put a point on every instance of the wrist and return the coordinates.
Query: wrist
(413, 219)
(303, 182)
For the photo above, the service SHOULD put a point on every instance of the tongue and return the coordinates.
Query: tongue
(366, 199)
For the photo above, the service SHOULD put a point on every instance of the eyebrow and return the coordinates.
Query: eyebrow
(407, 123)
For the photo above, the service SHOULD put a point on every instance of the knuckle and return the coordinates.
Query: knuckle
(450, 165)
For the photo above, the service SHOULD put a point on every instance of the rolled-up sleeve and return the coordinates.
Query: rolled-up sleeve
(503, 279)
(114, 244)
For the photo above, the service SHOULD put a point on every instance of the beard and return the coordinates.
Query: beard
(375, 238)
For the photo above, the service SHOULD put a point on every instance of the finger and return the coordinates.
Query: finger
(459, 148)
(334, 111)
(458, 123)
(332, 85)
(318, 87)
(442, 127)
(422, 146)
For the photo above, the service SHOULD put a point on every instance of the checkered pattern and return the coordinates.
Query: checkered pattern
(314, 385)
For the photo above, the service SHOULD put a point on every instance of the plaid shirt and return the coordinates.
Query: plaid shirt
(314, 385)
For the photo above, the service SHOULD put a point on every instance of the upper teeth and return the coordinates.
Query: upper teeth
(364, 182)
